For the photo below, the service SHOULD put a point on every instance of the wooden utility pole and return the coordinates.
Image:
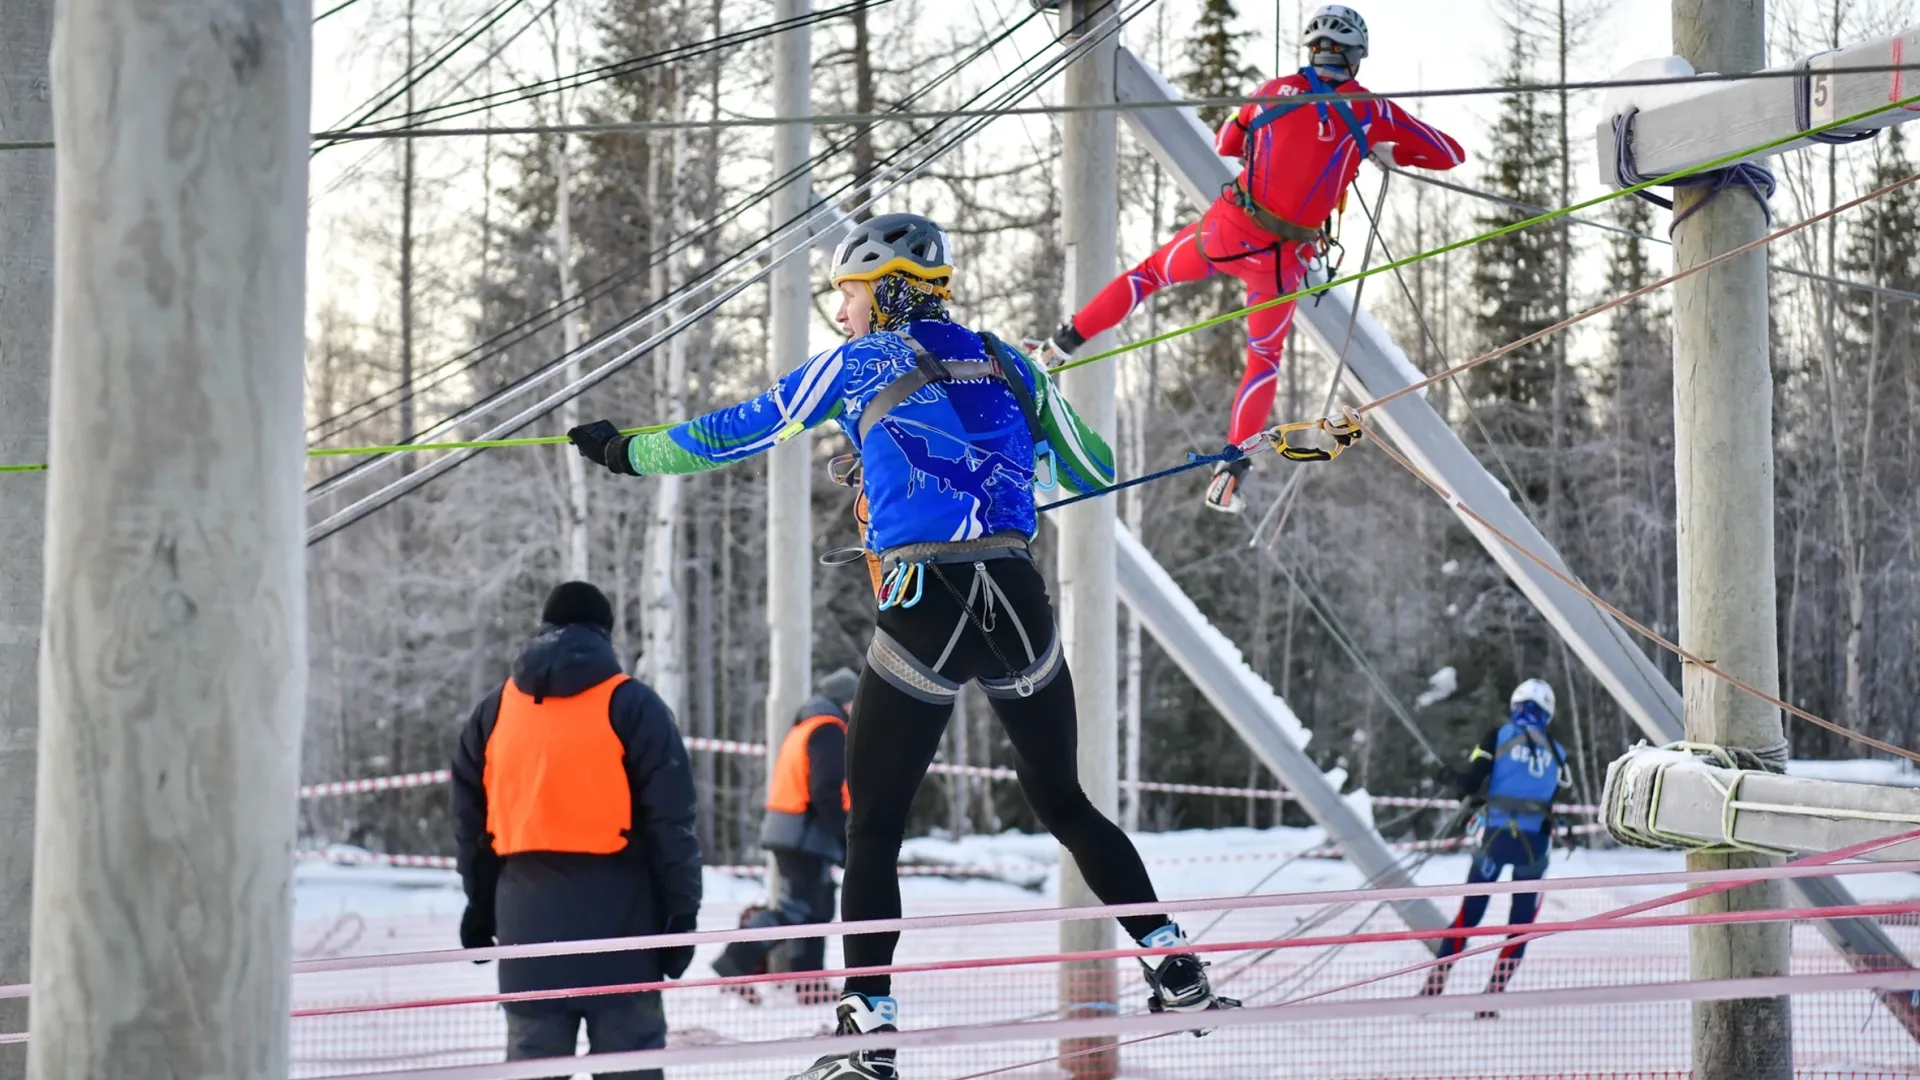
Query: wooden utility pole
(1089, 630)
(26, 347)
(173, 675)
(789, 472)
(1723, 467)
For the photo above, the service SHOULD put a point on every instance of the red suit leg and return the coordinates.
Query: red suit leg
(1179, 261)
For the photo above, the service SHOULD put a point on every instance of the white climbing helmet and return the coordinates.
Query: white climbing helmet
(1536, 692)
(1336, 36)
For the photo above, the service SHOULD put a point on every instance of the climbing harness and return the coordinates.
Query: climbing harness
(1756, 179)
(896, 664)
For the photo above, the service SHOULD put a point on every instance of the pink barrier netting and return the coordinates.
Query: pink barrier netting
(1836, 1035)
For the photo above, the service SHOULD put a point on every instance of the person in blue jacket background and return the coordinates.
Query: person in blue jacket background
(953, 431)
(1513, 774)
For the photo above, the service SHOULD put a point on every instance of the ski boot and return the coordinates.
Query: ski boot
(1497, 983)
(1179, 981)
(1223, 492)
(859, 1015)
(1057, 349)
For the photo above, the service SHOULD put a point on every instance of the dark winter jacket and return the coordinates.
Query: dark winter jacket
(820, 829)
(540, 896)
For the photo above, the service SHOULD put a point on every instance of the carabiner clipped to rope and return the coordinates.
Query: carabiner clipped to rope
(1341, 431)
(893, 588)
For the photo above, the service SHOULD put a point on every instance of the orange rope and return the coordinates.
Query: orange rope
(1626, 620)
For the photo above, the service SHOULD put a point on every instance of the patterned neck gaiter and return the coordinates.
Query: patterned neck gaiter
(899, 299)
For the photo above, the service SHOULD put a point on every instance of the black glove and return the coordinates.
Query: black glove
(476, 928)
(601, 443)
(675, 961)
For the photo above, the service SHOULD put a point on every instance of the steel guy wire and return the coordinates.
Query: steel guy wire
(353, 171)
(1514, 486)
(431, 63)
(413, 481)
(439, 375)
(1324, 612)
(441, 111)
(345, 134)
(350, 134)
(1606, 226)
(673, 246)
(660, 305)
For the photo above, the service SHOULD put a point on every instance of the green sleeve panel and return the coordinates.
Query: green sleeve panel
(656, 454)
(1083, 463)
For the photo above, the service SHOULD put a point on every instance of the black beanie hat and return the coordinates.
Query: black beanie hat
(578, 602)
(839, 686)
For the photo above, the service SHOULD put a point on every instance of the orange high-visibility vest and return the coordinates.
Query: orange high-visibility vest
(792, 770)
(556, 776)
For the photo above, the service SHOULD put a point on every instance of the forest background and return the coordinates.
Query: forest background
(449, 273)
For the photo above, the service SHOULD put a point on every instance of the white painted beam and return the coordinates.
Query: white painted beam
(1671, 799)
(1259, 716)
(1717, 119)
(1184, 148)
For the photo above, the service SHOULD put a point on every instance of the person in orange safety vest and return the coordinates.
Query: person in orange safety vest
(805, 829)
(573, 808)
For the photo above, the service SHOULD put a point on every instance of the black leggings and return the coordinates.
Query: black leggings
(898, 720)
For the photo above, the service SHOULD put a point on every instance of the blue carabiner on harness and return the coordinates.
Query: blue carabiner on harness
(1043, 453)
(893, 589)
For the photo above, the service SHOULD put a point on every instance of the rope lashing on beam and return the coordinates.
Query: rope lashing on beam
(1803, 110)
(1637, 782)
(1756, 180)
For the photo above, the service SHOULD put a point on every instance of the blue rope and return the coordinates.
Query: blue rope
(1803, 112)
(1757, 180)
(1194, 461)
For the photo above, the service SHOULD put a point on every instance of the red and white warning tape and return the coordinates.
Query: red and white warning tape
(356, 857)
(727, 746)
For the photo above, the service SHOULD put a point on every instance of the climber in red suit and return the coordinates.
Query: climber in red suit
(1266, 228)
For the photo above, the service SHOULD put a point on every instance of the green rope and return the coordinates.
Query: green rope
(1204, 324)
(1444, 249)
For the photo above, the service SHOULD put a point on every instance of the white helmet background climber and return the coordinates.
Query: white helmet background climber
(1534, 691)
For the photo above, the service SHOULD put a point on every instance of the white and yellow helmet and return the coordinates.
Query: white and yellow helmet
(1533, 692)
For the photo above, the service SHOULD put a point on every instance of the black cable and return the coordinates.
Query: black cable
(418, 479)
(617, 69)
(335, 9)
(612, 281)
(432, 63)
(692, 286)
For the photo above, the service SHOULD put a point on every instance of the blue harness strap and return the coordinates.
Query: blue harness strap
(1315, 85)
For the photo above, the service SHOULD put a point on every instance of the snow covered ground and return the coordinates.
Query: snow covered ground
(350, 910)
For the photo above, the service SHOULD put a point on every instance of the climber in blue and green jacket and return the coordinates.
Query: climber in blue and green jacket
(954, 431)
